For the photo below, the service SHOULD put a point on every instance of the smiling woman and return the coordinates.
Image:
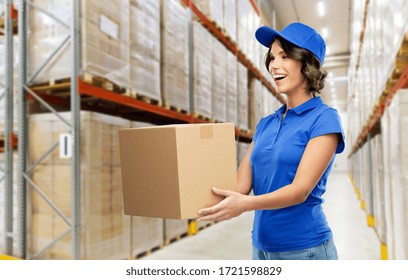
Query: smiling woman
(289, 222)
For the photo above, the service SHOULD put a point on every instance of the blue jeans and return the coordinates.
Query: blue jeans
(325, 251)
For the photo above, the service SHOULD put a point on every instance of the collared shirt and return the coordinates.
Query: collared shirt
(278, 148)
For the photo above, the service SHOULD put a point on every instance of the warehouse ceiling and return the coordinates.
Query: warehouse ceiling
(332, 19)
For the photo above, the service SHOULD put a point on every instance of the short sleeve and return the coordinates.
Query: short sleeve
(327, 123)
(258, 129)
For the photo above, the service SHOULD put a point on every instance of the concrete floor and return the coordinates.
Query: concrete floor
(231, 240)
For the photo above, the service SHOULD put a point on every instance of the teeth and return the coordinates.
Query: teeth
(279, 76)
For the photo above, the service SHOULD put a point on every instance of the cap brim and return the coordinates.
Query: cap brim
(265, 35)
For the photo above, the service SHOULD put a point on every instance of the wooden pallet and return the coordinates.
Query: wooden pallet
(176, 109)
(57, 87)
(2, 26)
(147, 99)
(201, 117)
(102, 82)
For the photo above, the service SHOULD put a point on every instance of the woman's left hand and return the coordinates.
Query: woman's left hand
(231, 206)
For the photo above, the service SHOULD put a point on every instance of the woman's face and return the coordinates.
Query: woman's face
(286, 71)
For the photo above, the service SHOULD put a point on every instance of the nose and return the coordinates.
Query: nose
(273, 65)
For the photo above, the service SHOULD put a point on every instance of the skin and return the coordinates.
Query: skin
(315, 160)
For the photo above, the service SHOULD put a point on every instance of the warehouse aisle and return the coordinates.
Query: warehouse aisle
(231, 240)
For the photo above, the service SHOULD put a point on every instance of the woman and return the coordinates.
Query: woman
(291, 155)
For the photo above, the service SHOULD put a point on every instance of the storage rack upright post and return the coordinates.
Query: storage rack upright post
(24, 92)
(7, 95)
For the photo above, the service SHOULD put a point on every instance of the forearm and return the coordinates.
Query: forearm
(286, 196)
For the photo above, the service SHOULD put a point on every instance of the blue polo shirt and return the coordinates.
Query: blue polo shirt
(278, 149)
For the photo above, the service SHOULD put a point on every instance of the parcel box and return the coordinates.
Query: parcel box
(168, 171)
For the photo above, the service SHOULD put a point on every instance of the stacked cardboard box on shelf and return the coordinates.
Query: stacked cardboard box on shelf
(101, 219)
(232, 88)
(104, 40)
(175, 55)
(378, 187)
(213, 10)
(255, 103)
(145, 48)
(242, 92)
(230, 19)
(105, 232)
(396, 175)
(218, 81)
(15, 209)
(202, 55)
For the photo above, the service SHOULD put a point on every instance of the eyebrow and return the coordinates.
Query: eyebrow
(281, 52)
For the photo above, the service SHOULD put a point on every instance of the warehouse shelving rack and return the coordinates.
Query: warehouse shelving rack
(231, 46)
(397, 80)
(8, 29)
(80, 94)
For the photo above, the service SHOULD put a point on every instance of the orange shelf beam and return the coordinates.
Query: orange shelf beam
(90, 90)
(255, 7)
(379, 110)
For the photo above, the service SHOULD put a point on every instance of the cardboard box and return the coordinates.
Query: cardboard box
(168, 171)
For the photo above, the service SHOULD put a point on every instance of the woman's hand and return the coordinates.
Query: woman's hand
(233, 205)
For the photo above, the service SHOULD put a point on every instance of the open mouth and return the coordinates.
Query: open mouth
(279, 77)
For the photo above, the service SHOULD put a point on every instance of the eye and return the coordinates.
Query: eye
(284, 56)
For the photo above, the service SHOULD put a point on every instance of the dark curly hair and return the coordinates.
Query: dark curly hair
(311, 68)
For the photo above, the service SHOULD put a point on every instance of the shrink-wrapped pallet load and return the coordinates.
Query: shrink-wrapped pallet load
(213, 10)
(145, 48)
(175, 55)
(378, 188)
(202, 80)
(106, 233)
(396, 177)
(242, 91)
(230, 19)
(104, 42)
(232, 89)
(218, 81)
(255, 103)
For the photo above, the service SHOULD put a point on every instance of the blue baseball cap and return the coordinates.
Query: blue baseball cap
(296, 33)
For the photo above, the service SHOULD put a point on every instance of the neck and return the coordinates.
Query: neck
(296, 100)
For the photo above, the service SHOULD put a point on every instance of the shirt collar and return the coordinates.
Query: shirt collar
(308, 105)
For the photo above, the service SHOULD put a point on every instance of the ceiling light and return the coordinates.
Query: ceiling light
(321, 10)
(325, 32)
